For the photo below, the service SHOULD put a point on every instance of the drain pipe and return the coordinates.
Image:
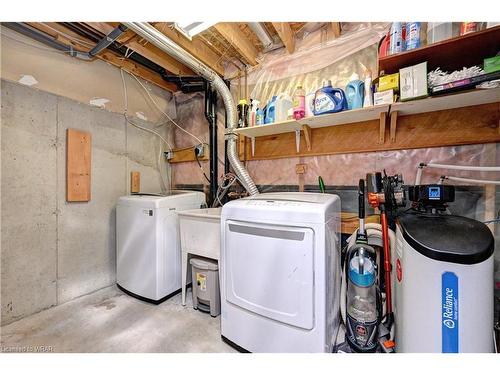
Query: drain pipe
(164, 43)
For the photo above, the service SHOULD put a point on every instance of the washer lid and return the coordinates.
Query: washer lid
(448, 238)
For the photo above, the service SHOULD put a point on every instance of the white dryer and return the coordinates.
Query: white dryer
(148, 255)
(280, 272)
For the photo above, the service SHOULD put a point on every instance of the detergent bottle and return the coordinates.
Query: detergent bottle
(329, 99)
(242, 114)
(260, 116)
(299, 103)
(282, 105)
(355, 91)
(270, 111)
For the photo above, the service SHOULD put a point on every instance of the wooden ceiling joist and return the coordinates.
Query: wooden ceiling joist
(232, 33)
(83, 44)
(197, 47)
(149, 51)
(286, 35)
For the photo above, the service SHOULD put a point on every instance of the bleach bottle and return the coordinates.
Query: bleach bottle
(329, 99)
(355, 91)
(270, 111)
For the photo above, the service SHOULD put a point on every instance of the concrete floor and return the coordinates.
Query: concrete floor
(110, 321)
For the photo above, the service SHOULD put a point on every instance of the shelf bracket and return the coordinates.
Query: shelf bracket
(394, 124)
(297, 140)
(307, 136)
(383, 116)
(252, 139)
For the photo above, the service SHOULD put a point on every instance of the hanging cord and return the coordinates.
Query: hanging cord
(201, 168)
(228, 180)
(164, 113)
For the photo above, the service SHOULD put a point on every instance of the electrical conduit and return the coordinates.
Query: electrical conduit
(161, 41)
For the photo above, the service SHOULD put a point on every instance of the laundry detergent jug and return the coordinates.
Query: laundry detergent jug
(355, 91)
(270, 111)
(329, 100)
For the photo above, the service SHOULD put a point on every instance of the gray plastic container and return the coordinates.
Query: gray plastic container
(206, 291)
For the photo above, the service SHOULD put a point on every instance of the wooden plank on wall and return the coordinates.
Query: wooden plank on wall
(135, 182)
(460, 126)
(187, 154)
(78, 165)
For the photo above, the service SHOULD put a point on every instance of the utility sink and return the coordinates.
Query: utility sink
(200, 235)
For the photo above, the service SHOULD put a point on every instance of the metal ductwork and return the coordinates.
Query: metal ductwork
(160, 40)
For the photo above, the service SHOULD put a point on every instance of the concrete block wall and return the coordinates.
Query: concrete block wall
(54, 251)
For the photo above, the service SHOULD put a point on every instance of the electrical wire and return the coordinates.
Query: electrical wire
(201, 168)
(164, 113)
(132, 122)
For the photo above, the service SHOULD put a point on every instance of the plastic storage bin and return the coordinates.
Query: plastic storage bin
(206, 291)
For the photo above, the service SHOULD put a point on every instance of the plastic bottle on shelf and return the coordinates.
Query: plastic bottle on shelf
(254, 106)
(355, 92)
(259, 116)
(396, 38)
(299, 103)
(242, 113)
(329, 99)
(270, 111)
(368, 99)
(438, 31)
(412, 35)
(309, 104)
(282, 105)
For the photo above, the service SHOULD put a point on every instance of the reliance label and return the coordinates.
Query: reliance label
(449, 313)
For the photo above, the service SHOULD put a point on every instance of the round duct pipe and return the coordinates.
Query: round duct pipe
(164, 43)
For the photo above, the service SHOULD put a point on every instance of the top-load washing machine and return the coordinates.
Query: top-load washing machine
(280, 272)
(148, 255)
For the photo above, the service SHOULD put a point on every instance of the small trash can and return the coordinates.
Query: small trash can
(206, 292)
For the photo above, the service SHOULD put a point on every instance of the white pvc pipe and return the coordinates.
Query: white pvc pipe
(421, 167)
(473, 181)
(464, 167)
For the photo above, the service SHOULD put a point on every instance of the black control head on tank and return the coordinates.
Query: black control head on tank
(432, 198)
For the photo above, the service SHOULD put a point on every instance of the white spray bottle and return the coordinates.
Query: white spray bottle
(368, 100)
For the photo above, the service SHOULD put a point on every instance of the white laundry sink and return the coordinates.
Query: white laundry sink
(200, 235)
(200, 231)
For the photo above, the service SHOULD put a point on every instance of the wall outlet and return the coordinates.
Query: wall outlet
(199, 150)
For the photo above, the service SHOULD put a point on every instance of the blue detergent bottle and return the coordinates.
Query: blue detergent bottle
(271, 111)
(329, 100)
(355, 92)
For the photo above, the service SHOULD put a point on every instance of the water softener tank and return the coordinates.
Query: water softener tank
(443, 281)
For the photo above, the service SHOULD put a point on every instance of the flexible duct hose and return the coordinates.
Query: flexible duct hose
(164, 43)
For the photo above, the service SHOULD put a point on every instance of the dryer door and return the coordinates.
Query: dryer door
(269, 271)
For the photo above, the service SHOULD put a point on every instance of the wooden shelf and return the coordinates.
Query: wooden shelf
(450, 54)
(452, 101)
(332, 119)
(471, 117)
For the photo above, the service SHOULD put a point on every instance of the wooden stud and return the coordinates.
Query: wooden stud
(383, 116)
(307, 136)
(394, 123)
(232, 33)
(78, 165)
(286, 35)
(333, 30)
(135, 182)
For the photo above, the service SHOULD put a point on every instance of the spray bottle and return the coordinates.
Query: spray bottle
(368, 100)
